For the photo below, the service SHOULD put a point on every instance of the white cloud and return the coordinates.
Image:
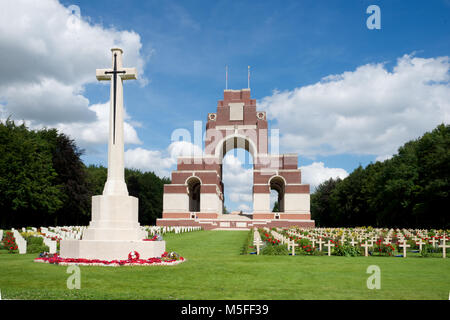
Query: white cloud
(238, 182)
(96, 132)
(316, 173)
(367, 111)
(160, 162)
(49, 56)
(244, 208)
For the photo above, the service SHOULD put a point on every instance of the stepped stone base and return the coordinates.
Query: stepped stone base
(113, 233)
(229, 224)
(110, 249)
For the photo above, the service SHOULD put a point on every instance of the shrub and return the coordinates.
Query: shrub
(346, 250)
(9, 242)
(275, 250)
(428, 250)
(412, 243)
(247, 243)
(36, 245)
(384, 249)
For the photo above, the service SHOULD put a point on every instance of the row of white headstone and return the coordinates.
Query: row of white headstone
(257, 241)
(291, 244)
(20, 241)
(46, 234)
(152, 230)
(367, 240)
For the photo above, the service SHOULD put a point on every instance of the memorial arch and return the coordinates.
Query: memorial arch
(196, 194)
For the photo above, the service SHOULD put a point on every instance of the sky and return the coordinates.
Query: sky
(340, 94)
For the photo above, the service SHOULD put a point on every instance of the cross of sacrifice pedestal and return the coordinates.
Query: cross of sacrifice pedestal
(444, 247)
(293, 245)
(320, 242)
(420, 243)
(404, 246)
(366, 248)
(329, 245)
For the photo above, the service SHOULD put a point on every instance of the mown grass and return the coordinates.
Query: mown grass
(215, 269)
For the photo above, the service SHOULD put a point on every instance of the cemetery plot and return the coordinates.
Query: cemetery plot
(45, 241)
(353, 242)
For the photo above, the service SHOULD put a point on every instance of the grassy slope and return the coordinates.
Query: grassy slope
(215, 270)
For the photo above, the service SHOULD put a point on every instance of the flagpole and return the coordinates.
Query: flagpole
(226, 77)
(248, 82)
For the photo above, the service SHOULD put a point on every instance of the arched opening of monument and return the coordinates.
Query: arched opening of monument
(237, 179)
(194, 185)
(277, 185)
(237, 175)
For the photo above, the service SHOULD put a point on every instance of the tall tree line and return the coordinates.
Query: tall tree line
(43, 181)
(409, 190)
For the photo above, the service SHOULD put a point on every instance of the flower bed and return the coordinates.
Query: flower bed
(133, 260)
(9, 242)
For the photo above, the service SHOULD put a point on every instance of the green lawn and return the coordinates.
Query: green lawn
(215, 270)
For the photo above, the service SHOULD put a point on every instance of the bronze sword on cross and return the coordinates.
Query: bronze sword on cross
(112, 74)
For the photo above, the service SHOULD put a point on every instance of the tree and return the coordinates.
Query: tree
(29, 193)
(276, 207)
(409, 190)
(320, 202)
(71, 176)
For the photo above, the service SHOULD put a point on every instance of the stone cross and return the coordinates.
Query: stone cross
(258, 243)
(353, 242)
(313, 242)
(433, 241)
(293, 245)
(444, 247)
(366, 248)
(329, 245)
(320, 242)
(115, 183)
(404, 246)
(420, 243)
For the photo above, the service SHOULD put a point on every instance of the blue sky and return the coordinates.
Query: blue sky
(182, 48)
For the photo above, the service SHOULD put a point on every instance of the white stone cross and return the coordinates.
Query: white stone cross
(404, 246)
(258, 243)
(433, 242)
(329, 245)
(444, 247)
(313, 242)
(420, 243)
(353, 242)
(366, 248)
(293, 245)
(320, 242)
(115, 183)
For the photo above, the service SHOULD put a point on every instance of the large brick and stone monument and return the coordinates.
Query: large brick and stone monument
(114, 231)
(196, 194)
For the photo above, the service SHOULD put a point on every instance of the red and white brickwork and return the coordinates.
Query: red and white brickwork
(195, 196)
